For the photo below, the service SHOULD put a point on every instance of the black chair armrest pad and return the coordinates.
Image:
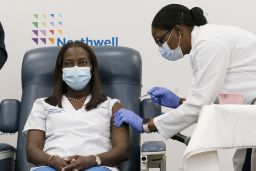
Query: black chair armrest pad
(153, 146)
(9, 115)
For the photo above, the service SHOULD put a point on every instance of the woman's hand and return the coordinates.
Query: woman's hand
(59, 163)
(80, 162)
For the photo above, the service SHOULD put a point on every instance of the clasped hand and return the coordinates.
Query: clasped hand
(73, 163)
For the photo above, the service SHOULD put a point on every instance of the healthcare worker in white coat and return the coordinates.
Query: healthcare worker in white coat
(223, 59)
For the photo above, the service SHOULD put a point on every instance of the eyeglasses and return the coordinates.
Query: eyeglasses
(160, 42)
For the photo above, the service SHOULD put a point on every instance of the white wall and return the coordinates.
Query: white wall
(130, 21)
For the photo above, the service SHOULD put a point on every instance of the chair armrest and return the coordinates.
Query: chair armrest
(9, 115)
(6, 151)
(7, 157)
(150, 109)
(153, 155)
(153, 146)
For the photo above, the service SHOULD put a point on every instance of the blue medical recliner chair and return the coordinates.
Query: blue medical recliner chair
(120, 72)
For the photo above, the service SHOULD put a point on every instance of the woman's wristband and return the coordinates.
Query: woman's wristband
(151, 126)
(148, 126)
(181, 100)
(50, 158)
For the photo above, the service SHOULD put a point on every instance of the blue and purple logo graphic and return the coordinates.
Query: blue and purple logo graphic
(48, 30)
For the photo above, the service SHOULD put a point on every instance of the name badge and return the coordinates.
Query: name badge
(54, 111)
(102, 107)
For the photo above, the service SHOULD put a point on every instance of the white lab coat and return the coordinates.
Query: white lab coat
(223, 60)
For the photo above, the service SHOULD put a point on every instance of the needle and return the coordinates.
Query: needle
(145, 95)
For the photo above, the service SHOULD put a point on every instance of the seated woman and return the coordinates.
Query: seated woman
(73, 128)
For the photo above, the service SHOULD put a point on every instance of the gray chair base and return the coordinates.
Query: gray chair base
(153, 155)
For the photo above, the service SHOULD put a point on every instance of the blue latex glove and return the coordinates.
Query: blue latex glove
(164, 97)
(129, 117)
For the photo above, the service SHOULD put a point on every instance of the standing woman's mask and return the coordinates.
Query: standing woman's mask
(171, 54)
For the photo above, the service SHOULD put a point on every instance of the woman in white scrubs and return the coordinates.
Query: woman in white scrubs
(223, 60)
(73, 128)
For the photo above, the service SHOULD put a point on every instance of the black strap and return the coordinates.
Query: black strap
(247, 161)
(254, 100)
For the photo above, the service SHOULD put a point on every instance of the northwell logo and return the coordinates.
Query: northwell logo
(48, 30)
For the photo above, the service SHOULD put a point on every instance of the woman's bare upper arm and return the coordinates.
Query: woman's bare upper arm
(119, 136)
(35, 138)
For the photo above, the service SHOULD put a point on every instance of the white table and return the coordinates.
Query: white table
(219, 127)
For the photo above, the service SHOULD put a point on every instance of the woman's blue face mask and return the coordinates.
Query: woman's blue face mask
(76, 77)
(171, 54)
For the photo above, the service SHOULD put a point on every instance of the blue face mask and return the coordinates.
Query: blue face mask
(76, 77)
(171, 54)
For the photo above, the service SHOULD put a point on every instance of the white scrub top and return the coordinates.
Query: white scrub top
(72, 132)
(223, 60)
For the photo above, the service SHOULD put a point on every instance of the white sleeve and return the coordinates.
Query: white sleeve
(111, 103)
(36, 118)
(212, 59)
